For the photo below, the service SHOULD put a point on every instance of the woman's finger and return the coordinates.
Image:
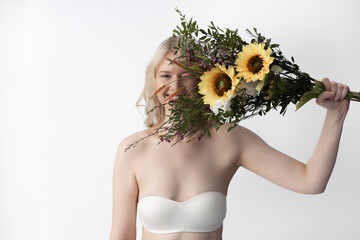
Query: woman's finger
(333, 89)
(338, 92)
(344, 92)
(326, 83)
(326, 95)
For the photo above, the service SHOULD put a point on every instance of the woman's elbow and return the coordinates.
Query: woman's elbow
(315, 189)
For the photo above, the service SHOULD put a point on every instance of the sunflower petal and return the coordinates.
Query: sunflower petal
(210, 88)
(250, 54)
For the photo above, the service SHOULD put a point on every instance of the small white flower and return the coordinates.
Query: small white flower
(251, 91)
(221, 104)
(250, 87)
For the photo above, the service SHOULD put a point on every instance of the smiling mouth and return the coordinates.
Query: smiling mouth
(175, 94)
(170, 97)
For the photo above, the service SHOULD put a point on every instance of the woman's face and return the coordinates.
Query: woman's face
(174, 78)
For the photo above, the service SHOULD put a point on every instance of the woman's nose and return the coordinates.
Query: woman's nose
(176, 84)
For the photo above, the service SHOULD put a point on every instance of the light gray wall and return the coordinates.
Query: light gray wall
(71, 72)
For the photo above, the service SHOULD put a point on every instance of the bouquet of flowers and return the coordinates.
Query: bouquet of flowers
(238, 80)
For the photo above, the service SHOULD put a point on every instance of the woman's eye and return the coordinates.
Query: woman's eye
(187, 75)
(165, 76)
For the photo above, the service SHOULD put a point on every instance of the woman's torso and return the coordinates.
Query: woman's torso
(183, 171)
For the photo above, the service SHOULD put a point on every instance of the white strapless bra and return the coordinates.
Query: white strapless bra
(202, 213)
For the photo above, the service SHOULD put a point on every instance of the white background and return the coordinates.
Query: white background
(72, 70)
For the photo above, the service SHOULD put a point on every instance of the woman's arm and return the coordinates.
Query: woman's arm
(323, 159)
(125, 193)
(287, 172)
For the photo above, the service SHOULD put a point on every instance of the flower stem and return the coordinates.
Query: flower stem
(354, 96)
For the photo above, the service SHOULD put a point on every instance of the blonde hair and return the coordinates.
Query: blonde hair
(152, 102)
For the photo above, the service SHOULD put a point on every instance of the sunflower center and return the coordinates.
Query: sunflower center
(255, 64)
(222, 84)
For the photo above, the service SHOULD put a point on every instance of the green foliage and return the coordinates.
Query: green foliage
(313, 93)
(189, 117)
(206, 46)
(200, 50)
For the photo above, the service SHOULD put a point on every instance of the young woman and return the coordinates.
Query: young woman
(180, 191)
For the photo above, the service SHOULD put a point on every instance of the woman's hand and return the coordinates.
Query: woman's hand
(333, 98)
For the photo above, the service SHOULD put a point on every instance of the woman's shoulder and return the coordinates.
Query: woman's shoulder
(137, 140)
(231, 130)
(128, 154)
(235, 133)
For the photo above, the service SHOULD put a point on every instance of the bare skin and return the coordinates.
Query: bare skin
(186, 170)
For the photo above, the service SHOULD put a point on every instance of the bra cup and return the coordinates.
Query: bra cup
(202, 213)
(154, 214)
(205, 213)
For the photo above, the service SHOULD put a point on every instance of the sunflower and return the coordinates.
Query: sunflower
(218, 84)
(253, 62)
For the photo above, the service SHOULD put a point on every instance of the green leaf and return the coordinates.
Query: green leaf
(231, 128)
(267, 43)
(306, 74)
(261, 39)
(319, 84)
(184, 25)
(265, 82)
(195, 68)
(271, 94)
(284, 84)
(202, 57)
(314, 93)
(276, 68)
(203, 31)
